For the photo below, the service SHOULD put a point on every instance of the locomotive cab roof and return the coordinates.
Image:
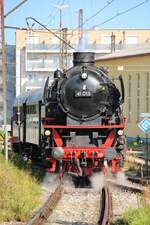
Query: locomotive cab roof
(30, 97)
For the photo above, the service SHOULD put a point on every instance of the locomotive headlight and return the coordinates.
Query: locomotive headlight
(47, 132)
(102, 88)
(120, 132)
(84, 76)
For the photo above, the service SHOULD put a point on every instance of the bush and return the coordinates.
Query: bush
(19, 193)
(35, 170)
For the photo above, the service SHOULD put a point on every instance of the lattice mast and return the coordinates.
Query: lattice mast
(80, 26)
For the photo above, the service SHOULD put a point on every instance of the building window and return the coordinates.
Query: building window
(54, 40)
(106, 39)
(129, 99)
(31, 109)
(32, 39)
(132, 40)
(138, 96)
(147, 92)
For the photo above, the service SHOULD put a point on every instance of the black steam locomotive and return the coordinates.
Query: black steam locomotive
(75, 123)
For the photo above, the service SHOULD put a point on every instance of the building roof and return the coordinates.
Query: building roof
(136, 50)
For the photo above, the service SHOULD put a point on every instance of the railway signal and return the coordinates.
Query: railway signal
(144, 125)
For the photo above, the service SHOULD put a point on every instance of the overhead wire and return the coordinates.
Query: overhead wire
(42, 25)
(95, 14)
(109, 19)
(51, 13)
(99, 11)
(121, 13)
(87, 20)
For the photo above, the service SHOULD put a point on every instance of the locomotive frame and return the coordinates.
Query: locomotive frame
(44, 135)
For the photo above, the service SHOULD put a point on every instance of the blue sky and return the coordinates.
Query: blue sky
(45, 12)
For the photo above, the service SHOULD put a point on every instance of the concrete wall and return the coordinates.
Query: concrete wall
(135, 71)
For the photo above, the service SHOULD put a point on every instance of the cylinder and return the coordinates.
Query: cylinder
(83, 58)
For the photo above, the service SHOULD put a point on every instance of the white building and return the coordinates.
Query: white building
(37, 51)
(11, 81)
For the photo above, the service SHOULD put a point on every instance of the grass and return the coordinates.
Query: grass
(33, 168)
(139, 216)
(19, 193)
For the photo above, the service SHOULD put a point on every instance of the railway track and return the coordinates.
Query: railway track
(125, 196)
(75, 206)
(106, 212)
(87, 206)
(47, 208)
(126, 187)
(139, 180)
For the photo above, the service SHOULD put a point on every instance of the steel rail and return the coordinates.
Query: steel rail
(139, 180)
(126, 187)
(42, 215)
(106, 207)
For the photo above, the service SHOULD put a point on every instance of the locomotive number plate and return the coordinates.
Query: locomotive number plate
(83, 94)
